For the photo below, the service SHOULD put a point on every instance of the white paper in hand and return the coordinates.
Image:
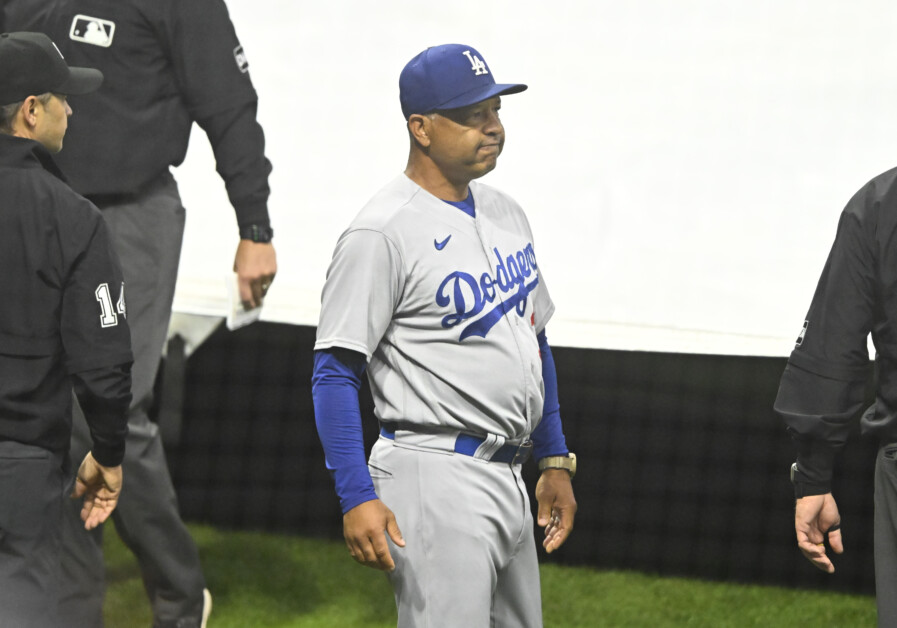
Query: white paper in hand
(237, 316)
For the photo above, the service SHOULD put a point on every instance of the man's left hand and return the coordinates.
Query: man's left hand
(816, 519)
(557, 507)
(100, 487)
(255, 264)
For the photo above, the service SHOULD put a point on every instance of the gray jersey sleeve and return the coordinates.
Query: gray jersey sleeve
(364, 283)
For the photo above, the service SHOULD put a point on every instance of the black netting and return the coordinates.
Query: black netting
(683, 464)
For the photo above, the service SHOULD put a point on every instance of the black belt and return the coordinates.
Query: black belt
(108, 200)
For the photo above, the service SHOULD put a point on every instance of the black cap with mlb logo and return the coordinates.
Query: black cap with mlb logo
(31, 64)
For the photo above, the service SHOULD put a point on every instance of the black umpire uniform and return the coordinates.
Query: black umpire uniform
(167, 63)
(822, 389)
(63, 325)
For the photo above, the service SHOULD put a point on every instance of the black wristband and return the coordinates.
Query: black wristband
(804, 487)
(257, 233)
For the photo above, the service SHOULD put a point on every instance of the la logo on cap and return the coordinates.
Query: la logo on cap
(476, 64)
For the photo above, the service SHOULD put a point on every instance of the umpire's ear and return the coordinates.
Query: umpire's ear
(419, 128)
(29, 110)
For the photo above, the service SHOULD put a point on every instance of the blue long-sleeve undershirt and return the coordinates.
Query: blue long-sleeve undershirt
(548, 437)
(336, 380)
(335, 383)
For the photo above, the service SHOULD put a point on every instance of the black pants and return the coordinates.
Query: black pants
(33, 485)
(886, 535)
(147, 233)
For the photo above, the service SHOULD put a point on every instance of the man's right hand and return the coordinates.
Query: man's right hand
(365, 528)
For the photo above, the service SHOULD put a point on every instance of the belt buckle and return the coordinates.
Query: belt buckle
(523, 452)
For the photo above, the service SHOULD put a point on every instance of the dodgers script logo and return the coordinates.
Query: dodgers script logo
(469, 296)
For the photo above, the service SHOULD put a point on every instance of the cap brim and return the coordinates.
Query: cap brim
(481, 94)
(81, 81)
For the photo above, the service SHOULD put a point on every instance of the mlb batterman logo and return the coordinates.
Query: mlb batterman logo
(92, 30)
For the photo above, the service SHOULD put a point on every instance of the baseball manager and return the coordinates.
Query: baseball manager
(436, 291)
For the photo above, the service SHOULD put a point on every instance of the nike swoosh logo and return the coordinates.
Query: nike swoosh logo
(441, 245)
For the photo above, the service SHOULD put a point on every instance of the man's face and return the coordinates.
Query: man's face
(52, 122)
(466, 142)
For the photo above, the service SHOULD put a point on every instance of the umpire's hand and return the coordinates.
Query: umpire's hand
(817, 520)
(101, 487)
(255, 264)
(365, 528)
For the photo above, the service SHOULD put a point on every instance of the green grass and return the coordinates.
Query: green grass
(270, 581)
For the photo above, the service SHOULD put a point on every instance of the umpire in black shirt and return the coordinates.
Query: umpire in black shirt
(62, 326)
(823, 388)
(168, 64)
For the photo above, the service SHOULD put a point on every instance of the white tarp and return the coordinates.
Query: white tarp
(683, 164)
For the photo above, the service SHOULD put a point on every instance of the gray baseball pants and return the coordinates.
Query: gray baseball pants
(469, 559)
(147, 232)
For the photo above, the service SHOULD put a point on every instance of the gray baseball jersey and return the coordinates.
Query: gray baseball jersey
(445, 307)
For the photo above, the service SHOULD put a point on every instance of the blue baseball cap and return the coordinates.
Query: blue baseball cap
(448, 77)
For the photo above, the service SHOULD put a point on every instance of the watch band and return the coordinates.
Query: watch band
(257, 233)
(567, 463)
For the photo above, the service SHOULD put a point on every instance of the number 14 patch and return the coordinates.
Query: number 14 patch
(108, 313)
